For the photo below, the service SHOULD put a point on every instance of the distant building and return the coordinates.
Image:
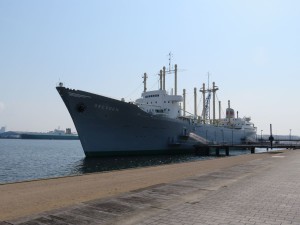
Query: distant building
(2, 130)
(68, 131)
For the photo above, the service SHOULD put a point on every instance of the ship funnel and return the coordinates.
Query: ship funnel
(229, 111)
(145, 82)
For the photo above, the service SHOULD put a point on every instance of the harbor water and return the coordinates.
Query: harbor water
(23, 160)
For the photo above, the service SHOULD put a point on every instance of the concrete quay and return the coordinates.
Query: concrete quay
(248, 189)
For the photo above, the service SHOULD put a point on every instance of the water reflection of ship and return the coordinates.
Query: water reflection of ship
(92, 165)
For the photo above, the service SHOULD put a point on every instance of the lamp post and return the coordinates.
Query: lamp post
(261, 135)
(290, 136)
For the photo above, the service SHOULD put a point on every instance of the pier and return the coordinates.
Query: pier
(206, 149)
(246, 189)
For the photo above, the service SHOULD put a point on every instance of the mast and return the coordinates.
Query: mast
(160, 79)
(164, 78)
(195, 102)
(203, 94)
(184, 102)
(145, 82)
(175, 79)
(208, 80)
(170, 71)
(215, 88)
(219, 110)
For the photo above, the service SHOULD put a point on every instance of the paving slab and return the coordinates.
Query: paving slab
(263, 190)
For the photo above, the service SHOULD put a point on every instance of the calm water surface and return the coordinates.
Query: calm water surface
(35, 159)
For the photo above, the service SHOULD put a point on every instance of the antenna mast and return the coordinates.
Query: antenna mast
(170, 60)
(171, 70)
(208, 80)
(207, 103)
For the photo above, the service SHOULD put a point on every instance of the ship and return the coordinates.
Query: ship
(57, 134)
(156, 123)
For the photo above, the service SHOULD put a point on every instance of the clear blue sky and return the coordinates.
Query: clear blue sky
(250, 47)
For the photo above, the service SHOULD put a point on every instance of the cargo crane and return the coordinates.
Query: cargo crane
(207, 105)
(206, 102)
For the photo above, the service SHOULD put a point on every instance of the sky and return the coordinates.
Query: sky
(250, 48)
